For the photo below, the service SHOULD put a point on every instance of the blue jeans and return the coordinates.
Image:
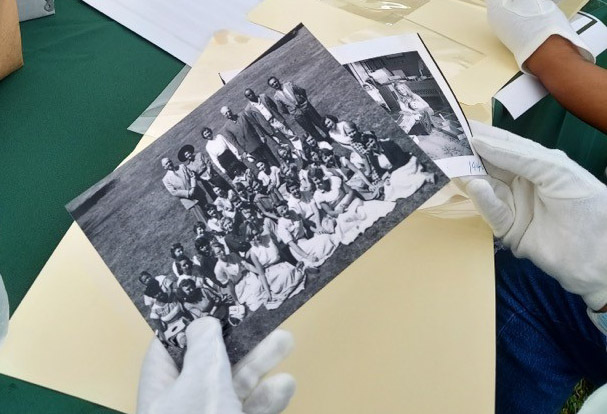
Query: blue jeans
(545, 341)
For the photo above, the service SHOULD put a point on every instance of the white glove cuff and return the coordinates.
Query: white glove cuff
(599, 320)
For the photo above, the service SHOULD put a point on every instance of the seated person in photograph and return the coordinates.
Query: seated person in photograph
(352, 214)
(199, 229)
(238, 278)
(281, 280)
(213, 216)
(269, 176)
(385, 154)
(168, 316)
(177, 252)
(289, 157)
(232, 238)
(188, 271)
(351, 173)
(305, 205)
(291, 231)
(264, 201)
(164, 283)
(252, 216)
(335, 129)
(360, 156)
(415, 110)
(244, 193)
(204, 262)
(200, 302)
(311, 146)
(243, 175)
(223, 203)
(398, 182)
(222, 153)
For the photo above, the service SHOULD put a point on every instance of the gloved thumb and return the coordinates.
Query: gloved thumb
(206, 368)
(489, 199)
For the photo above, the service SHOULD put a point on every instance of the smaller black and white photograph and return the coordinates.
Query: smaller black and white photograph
(257, 199)
(409, 86)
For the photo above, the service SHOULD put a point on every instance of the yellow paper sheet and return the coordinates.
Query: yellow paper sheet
(478, 69)
(411, 319)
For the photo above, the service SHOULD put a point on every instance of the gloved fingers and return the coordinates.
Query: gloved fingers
(551, 170)
(206, 367)
(158, 373)
(269, 353)
(271, 396)
(492, 207)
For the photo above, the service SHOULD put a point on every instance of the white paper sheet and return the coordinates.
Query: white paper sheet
(525, 91)
(182, 27)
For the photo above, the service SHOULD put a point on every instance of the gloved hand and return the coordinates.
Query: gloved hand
(546, 208)
(206, 384)
(523, 25)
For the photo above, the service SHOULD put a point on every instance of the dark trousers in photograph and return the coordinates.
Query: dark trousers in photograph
(263, 153)
(311, 122)
(229, 162)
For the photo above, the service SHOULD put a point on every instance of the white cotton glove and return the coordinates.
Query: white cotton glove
(523, 25)
(207, 384)
(546, 208)
(596, 403)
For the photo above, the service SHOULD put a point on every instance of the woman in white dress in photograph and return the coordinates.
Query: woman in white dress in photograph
(280, 279)
(402, 172)
(291, 231)
(236, 275)
(352, 214)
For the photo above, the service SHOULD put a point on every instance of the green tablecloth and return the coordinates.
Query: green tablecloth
(63, 120)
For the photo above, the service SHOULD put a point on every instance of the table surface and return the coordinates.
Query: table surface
(63, 120)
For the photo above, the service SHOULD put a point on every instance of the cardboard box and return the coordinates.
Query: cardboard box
(11, 57)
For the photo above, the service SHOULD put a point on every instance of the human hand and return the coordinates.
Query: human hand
(546, 208)
(206, 384)
(523, 25)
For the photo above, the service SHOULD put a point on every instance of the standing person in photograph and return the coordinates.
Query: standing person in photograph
(248, 136)
(223, 154)
(264, 106)
(201, 166)
(180, 183)
(293, 100)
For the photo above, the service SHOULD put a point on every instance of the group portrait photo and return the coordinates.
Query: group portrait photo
(257, 199)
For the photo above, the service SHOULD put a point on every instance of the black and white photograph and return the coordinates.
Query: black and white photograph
(257, 199)
(411, 88)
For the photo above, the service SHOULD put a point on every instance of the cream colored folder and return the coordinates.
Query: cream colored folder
(455, 31)
(408, 327)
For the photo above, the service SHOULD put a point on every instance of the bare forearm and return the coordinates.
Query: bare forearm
(580, 86)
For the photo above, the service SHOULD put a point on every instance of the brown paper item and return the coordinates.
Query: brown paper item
(410, 319)
(11, 57)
